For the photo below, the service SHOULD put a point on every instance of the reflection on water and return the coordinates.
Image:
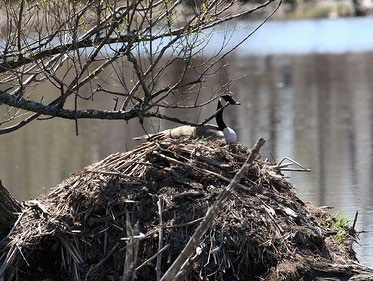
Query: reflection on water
(316, 109)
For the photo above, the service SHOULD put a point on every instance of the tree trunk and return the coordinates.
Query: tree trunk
(9, 207)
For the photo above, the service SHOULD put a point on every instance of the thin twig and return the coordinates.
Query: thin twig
(185, 224)
(196, 193)
(14, 226)
(152, 257)
(283, 167)
(268, 210)
(355, 220)
(118, 174)
(131, 250)
(158, 266)
(200, 169)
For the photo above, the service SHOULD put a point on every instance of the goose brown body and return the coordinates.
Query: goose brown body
(208, 131)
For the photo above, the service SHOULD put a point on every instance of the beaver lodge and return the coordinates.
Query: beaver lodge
(130, 217)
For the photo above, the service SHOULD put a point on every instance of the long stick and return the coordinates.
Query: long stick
(205, 224)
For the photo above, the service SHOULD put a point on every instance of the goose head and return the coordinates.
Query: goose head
(230, 135)
(229, 99)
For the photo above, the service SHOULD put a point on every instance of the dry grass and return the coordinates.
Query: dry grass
(75, 231)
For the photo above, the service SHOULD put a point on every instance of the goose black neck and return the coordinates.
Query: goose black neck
(219, 118)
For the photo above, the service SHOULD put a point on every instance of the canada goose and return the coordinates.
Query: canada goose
(209, 131)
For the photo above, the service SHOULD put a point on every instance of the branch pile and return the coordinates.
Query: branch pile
(132, 214)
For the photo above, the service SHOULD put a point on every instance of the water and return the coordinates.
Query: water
(306, 87)
(317, 109)
(336, 36)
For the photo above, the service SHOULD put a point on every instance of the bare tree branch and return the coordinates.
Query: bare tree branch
(123, 51)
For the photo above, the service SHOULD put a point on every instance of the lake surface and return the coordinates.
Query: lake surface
(305, 86)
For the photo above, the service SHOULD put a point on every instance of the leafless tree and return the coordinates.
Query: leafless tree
(87, 45)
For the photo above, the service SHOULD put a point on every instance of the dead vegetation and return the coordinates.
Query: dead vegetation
(132, 214)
